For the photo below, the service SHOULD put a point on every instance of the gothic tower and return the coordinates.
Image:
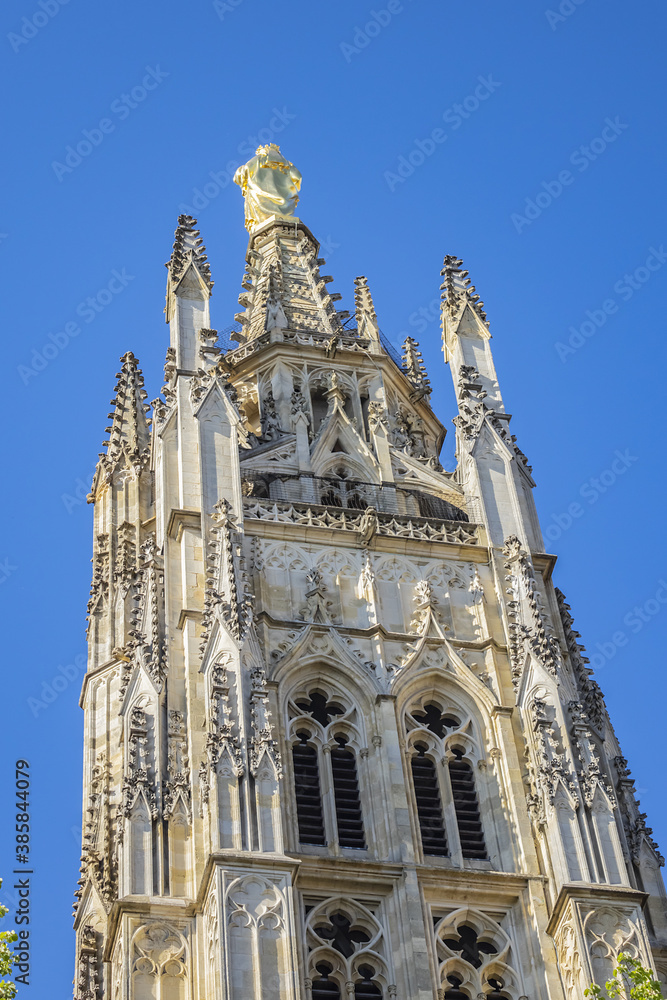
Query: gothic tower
(341, 740)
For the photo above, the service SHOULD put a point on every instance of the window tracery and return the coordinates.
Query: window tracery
(473, 954)
(325, 743)
(347, 954)
(442, 752)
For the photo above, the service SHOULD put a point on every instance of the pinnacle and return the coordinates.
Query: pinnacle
(129, 434)
(188, 249)
(414, 367)
(363, 300)
(457, 290)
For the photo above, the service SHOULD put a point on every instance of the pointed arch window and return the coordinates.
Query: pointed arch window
(474, 953)
(437, 789)
(307, 791)
(325, 988)
(366, 989)
(325, 767)
(429, 803)
(466, 806)
(346, 793)
(348, 945)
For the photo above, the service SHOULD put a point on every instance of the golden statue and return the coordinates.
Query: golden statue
(270, 186)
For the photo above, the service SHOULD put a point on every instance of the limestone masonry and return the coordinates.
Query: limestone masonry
(341, 740)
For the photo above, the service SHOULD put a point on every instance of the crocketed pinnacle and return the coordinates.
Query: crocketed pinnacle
(363, 300)
(457, 290)
(129, 434)
(188, 249)
(414, 367)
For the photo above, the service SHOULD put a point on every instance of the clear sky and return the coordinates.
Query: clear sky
(526, 138)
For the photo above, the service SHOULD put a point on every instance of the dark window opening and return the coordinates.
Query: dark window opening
(366, 989)
(429, 804)
(346, 795)
(470, 947)
(320, 405)
(323, 987)
(453, 992)
(321, 710)
(466, 805)
(431, 717)
(342, 935)
(496, 990)
(307, 790)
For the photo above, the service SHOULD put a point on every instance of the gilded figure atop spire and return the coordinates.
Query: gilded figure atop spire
(270, 186)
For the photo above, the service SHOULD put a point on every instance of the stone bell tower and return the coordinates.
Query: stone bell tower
(341, 740)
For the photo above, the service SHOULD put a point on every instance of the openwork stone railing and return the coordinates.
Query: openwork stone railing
(366, 524)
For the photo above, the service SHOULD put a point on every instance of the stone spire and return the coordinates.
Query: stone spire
(129, 434)
(283, 287)
(188, 249)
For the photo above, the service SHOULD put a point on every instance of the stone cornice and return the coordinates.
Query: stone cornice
(595, 892)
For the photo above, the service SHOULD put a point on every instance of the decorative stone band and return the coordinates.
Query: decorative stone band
(365, 524)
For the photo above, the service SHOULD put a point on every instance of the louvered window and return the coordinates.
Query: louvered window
(429, 804)
(308, 795)
(466, 805)
(346, 795)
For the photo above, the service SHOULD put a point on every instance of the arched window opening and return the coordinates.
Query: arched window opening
(454, 992)
(342, 934)
(466, 806)
(320, 405)
(470, 947)
(331, 498)
(429, 804)
(496, 992)
(325, 988)
(346, 795)
(366, 989)
(432, 718)
(307, 790)
(322, 711)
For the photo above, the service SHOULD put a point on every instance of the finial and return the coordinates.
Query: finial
(270, 186)
(456, 288)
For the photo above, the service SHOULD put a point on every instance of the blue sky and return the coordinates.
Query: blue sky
(548, 179)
